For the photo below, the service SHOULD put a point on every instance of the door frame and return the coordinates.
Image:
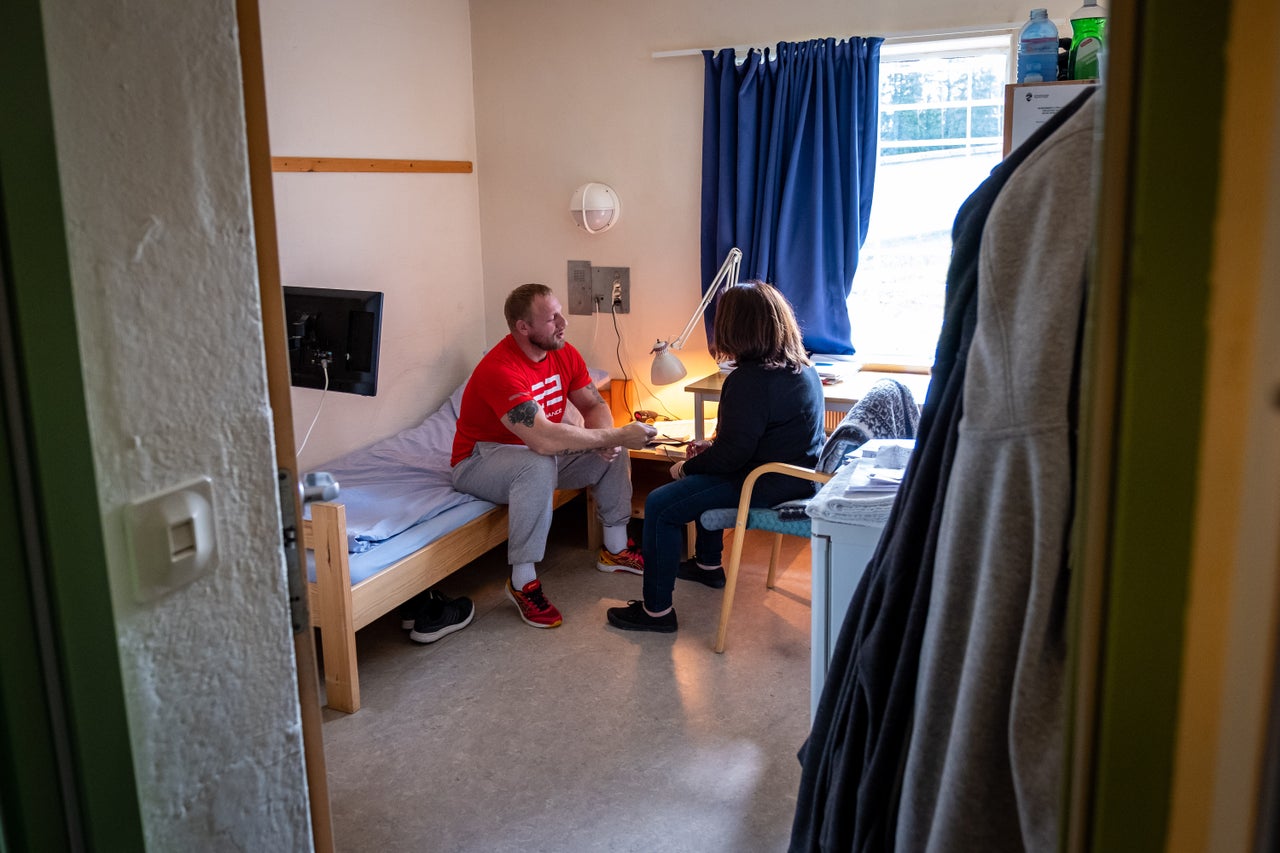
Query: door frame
(276, 353)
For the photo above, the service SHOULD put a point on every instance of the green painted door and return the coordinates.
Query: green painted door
(66, 772)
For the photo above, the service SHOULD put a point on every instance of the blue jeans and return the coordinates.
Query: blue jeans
(669, 508)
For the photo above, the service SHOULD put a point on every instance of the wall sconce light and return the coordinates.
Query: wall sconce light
(595, 207)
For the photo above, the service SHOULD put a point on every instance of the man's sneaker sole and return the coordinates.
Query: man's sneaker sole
(615, 567)
(442, 632)
(526, 619)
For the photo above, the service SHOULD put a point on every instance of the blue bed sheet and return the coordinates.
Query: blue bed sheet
(382, 554)
(398, 482)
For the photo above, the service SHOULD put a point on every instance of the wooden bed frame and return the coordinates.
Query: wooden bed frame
(339, 609)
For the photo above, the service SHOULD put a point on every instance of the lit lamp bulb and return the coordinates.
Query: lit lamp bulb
(666, 367)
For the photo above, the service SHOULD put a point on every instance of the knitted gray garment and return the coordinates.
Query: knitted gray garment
(887, 410)
(985, 757)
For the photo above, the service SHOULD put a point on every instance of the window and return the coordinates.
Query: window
(941, 134)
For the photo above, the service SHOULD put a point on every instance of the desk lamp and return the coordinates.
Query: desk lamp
(666, 367)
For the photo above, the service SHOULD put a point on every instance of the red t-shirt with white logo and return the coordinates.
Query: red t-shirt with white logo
(505, 378)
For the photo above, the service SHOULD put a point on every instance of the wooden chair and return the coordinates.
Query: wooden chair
(888, 410)
(761, 518)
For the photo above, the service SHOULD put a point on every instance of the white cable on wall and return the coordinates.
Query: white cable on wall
(324, 365)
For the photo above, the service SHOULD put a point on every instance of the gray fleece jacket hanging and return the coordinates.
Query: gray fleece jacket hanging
(986, 749)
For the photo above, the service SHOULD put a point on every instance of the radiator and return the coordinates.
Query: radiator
(833, 420)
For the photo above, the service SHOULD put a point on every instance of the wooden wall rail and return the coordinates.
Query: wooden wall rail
(364, 164)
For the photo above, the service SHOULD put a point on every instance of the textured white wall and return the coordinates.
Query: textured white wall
(388, 79)
(151, 150)
(567, 92)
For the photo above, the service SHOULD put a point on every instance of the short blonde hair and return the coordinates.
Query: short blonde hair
(519, 304)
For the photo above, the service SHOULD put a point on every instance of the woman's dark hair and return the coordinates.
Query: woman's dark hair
(755, 323)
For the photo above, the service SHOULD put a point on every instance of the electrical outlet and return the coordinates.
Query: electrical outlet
(581, 298)
(611, 287)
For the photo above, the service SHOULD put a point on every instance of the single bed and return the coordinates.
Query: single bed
(398, 528)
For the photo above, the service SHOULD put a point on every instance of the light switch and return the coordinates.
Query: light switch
(173, 536)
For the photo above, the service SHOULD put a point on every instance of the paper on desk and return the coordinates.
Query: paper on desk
(866, 477)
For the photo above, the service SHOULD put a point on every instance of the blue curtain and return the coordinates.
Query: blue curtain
(788, 164)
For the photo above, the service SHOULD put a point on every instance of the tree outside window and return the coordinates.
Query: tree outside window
(941, 126)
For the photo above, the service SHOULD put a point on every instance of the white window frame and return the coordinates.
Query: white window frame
(940, 47)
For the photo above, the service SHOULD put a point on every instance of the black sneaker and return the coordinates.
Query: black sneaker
(408, 612)
(440, 617)
(690, 570)
(633, 618)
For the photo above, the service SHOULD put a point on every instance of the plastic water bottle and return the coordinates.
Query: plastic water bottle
(1088, 41)
(1038, 49)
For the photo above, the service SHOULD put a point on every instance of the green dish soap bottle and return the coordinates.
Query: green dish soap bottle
(1088, 41)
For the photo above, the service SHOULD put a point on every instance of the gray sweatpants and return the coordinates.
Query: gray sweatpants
(525, 481)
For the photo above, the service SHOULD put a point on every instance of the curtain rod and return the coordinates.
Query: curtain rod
(891, 38)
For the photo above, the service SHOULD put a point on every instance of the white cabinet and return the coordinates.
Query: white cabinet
(848, 514)
(840, 553)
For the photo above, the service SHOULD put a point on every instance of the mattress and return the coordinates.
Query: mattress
(379, 555)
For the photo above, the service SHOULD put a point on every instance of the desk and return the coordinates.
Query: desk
(655, 463)
(682, 430)
(838, 398)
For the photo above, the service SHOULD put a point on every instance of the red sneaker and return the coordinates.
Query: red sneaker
(629, 559)
(533, 605)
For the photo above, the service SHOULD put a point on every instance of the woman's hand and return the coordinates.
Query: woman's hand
(695, 447)
(677, 470)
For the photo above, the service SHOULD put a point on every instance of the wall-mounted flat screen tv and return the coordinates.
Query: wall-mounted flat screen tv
(333, 338)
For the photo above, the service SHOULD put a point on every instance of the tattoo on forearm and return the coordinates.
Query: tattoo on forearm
(573, 452)
(523, 414)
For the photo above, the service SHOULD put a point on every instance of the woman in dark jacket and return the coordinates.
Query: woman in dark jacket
(771, 410)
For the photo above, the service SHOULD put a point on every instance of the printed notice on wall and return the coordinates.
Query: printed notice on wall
(1029, 105)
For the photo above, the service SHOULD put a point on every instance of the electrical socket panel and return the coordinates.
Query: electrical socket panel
(580, 289)
(603, 281)
(592, 289)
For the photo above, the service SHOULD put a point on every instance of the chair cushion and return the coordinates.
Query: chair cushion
(788, 518)
(770, 520)
(719, 519)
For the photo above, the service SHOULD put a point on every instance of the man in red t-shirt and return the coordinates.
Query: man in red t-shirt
(512, 447)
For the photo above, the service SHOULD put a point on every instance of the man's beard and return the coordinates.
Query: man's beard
(549, 343)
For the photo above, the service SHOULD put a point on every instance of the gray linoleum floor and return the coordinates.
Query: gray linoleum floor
(503, 737)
